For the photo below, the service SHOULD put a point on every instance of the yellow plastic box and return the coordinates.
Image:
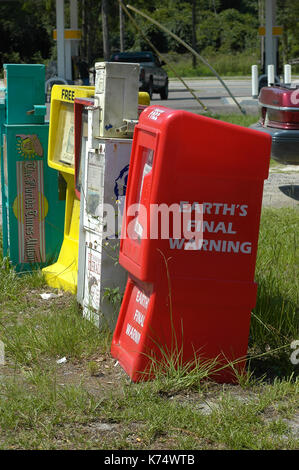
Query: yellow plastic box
(64, 273)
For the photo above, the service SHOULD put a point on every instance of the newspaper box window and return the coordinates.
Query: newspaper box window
(81, 134)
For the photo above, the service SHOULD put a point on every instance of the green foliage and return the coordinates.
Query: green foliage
(230, 31)
(113, 295)
(221, 28)
(287, 17)
(25, 31)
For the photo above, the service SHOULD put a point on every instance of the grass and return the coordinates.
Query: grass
(44, 414)
(275, 320)
(32, 329)
(51, 333)
(224, 64)
(36, 413)
(244, 120)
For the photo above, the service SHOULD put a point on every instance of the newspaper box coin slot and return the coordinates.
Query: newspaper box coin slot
(189, 242)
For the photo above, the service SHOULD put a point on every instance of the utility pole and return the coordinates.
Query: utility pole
(60, 38)
(121, 29)
(105, 28)
(270, 41)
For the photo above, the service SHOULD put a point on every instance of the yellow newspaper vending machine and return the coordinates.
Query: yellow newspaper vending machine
(61, 156)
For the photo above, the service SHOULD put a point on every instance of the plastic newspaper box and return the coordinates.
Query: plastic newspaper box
(102, 166)
(32, 213)
(189, 242)
(61, 157)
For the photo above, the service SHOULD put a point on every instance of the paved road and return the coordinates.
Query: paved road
(212, 94)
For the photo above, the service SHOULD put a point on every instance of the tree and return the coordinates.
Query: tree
(25, 31)
(287, 17)
(228, 26)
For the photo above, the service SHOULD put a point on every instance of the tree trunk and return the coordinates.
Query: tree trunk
(105, 29)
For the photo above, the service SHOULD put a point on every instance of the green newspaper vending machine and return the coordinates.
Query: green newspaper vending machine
(32, 209)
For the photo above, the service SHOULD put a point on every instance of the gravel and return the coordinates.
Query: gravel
(281, 189)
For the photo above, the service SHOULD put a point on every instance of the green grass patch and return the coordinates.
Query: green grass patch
(204, 420)
(238, 64)
(58, 331)
(244, 120)
(41, 413)
(35, 413)
(33, 329)
(275, 318)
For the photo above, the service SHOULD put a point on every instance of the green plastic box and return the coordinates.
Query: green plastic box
(32, 213)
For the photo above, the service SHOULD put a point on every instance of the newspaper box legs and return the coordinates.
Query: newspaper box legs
(189, 243)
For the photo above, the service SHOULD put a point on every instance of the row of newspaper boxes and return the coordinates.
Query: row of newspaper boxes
(160, 209)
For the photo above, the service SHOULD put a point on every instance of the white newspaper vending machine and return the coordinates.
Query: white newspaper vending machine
(104, 129)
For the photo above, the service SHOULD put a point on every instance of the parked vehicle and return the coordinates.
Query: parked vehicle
(279, 117)
(153, 78)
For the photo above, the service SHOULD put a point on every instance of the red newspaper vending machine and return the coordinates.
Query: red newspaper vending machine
(189, 242)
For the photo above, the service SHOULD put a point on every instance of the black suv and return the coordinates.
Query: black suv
(153, 77)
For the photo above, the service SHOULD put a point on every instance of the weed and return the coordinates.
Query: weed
(93, 368)
(113, 295)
